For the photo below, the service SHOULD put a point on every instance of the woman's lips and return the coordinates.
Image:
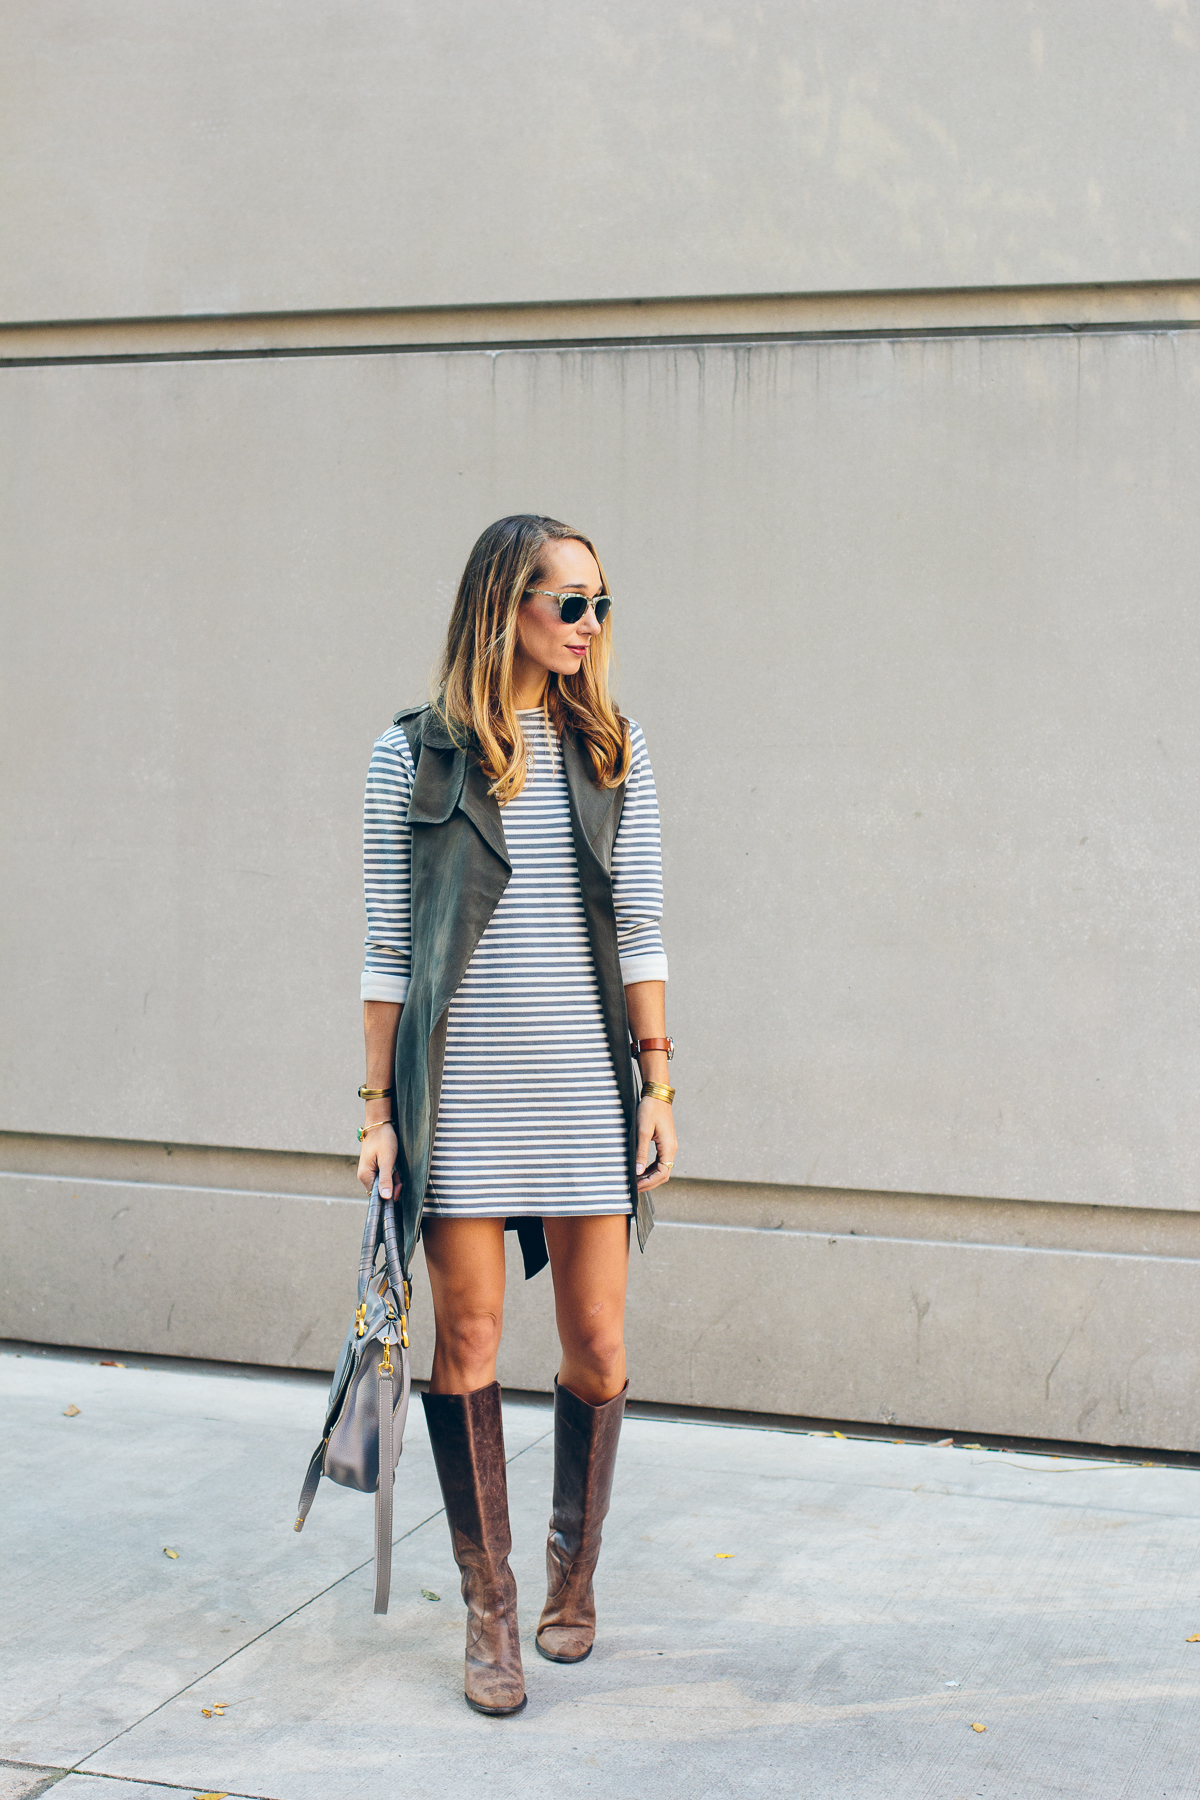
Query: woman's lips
(577, 649)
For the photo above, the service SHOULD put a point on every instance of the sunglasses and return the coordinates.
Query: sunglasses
(571, 607)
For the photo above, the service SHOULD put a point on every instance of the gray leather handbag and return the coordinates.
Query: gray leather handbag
(368, 1402)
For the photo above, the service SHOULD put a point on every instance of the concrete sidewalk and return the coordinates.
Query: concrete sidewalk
(780, 1613)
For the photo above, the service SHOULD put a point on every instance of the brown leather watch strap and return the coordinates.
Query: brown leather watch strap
(667, 1044)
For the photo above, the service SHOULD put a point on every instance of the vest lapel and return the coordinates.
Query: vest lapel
(598, 810)
(447, 777)
(483, 810)
(440, 775)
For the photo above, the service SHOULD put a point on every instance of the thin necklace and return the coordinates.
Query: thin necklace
(531, 758)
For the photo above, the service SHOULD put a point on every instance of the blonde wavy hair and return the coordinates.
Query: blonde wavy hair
(474, 696)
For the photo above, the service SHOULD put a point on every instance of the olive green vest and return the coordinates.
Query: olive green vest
(460, 868)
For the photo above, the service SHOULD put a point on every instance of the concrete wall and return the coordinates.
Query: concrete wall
(1050, 1321)
(218, 156)
(905, 587)
(910, 626)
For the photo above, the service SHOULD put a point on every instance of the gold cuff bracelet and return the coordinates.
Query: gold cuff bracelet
(657, 1090)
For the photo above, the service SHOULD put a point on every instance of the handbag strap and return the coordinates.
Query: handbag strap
(387, 1477)
(312, 1480)
(397, 1274)
(370, 1243)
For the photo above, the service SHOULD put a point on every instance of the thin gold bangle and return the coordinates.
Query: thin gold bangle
(657, 1090)
(363, 1129)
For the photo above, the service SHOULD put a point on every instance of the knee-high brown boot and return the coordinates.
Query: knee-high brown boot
(585, 1454)
(467, 1436)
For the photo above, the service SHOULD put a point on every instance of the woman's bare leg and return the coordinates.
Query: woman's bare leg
(465, 1259)
(589, 1259)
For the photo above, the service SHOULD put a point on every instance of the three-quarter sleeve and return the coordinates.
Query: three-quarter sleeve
(637, 872)
(387, 862)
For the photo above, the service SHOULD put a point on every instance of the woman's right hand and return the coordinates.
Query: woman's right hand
(380, 1155)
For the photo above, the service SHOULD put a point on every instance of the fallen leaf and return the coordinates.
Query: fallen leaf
(72, 1412)
(979, 1728)
(1194, 1639)
(428, 1594)
(216, 1710)
(173, 1554)
(212, 1797)
(840, 1434)
(944, 1444)
(112, 1365)
(724, 1555)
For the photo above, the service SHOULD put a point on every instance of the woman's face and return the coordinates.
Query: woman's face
(544, 643)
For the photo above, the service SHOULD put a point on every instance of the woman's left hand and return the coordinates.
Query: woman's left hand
(655, 1125)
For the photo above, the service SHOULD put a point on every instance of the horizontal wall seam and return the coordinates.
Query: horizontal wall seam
(682, 341)
(991, 292)
(186, 1187)
(774, 1231)
(655, 316)
(54, 1145)
(864, 1237)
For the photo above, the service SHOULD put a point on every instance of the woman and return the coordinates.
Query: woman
(514, 887)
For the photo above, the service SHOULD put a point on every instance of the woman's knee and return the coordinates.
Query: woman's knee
(469, 1338)
(599, 1349)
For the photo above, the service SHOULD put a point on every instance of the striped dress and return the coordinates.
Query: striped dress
(530, 1122)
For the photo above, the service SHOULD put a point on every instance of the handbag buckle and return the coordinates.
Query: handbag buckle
(385, 1367)
(360, 1319)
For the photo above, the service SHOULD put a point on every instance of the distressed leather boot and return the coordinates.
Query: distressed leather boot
(467, 1436)
(585, 1454)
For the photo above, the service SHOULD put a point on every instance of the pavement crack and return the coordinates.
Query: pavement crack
(531, 1445)
(249, 1643)
(175, 1787)
(268, 1629)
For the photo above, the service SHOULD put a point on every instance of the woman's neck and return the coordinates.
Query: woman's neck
(529, 686)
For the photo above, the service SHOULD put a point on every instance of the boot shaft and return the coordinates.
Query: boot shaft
(466, 1434)
(585, 1457)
